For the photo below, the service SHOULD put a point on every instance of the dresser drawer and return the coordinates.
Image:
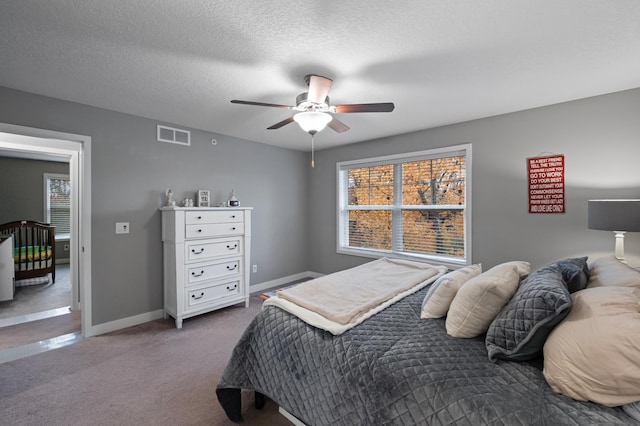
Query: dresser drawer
(196, 217)
(208, 230)
(213, 270)
(205, 295)
(199, 251)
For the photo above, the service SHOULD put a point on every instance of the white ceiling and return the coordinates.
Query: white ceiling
(440, 62)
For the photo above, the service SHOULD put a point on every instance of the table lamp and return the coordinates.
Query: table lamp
(619, 216)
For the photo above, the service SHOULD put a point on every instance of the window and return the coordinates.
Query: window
(414, 206)
(57, 202)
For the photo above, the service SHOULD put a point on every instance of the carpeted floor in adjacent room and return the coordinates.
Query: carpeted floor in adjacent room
(32, 300)
(40, 297)
(152, 374)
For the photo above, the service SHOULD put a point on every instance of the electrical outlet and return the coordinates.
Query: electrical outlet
(255, 268)
(122, 227)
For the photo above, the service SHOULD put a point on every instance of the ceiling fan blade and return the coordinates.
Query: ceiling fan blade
(236, 101)
(379, 107)
(281, 123)
(318, 88)
(338, 125)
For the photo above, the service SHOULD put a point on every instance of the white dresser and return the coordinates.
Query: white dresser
(7, 274)
(206, 257)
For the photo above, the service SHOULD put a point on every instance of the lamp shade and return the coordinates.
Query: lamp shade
(312, 121)
(614, 215)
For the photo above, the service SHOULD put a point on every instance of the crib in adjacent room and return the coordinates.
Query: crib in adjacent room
(34, 248)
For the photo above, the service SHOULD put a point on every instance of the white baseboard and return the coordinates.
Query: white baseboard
(293, 419)
(116, 325)
(267, 285)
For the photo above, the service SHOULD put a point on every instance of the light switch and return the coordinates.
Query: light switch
(122, 227)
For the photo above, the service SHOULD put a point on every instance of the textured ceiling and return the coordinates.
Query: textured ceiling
(440, 62)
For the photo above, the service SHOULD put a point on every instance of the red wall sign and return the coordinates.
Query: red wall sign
(546, 184)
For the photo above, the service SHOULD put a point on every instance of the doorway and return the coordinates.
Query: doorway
(77, 150)
(36, 187)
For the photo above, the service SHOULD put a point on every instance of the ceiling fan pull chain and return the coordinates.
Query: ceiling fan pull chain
(313, 164)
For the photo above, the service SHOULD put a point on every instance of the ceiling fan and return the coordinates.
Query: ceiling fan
(314, 110)
(316, 101)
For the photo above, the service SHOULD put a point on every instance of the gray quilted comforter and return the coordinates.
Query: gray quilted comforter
(393, 369)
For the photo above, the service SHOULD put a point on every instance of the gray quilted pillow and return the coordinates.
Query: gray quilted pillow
(575, 273)
(519, 331)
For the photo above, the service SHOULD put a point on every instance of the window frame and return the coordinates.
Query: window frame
(342, 209)
(47, 177)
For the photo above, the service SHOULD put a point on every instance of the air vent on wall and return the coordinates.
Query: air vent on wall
(173, 135)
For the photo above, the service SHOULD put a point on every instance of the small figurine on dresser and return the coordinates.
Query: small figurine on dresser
(233, 200)
(169, 194)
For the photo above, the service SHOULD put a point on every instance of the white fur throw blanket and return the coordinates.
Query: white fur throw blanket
(342, 300)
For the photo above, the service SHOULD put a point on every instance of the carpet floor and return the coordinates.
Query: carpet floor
(40, 297)
(35, 331)
(34, 299)
(151, 374)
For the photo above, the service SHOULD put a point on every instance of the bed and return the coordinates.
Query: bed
(396, 368)
(34, 248)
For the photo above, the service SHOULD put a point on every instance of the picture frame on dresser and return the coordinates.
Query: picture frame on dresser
(206, 258)
(204, 198)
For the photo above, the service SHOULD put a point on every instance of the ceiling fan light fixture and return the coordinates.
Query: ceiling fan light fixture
(312, 121)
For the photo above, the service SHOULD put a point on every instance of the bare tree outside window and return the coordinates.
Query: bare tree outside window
(438, 182)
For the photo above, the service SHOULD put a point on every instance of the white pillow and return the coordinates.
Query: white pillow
(592, 355)
(609, 271)
(480, 299)
(438, 299)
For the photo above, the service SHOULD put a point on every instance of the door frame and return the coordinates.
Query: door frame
(78, 149)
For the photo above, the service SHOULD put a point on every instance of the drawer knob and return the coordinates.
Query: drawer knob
(235, 246)
(231, 268)
(199, 230)
(198, 275)
(233, 229)
(233, 216)
(231, 288)
(198, 252)
(199, 297)
(199, 217)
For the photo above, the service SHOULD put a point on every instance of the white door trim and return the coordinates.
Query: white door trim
(78, 149)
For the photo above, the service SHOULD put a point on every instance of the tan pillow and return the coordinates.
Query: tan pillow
(609, 271)
(524, 268)
(438, 299)
(480, 299)
(593, 354)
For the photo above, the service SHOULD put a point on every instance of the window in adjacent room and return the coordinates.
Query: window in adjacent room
(57, 202)
(414, 206)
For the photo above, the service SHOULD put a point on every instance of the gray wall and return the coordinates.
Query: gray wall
(130, 171)
(600, 138)
(22, 191)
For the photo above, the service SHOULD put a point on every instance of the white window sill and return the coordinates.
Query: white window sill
(449, 262)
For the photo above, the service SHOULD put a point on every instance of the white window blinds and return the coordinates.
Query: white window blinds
(410, 205)
(58, 202)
